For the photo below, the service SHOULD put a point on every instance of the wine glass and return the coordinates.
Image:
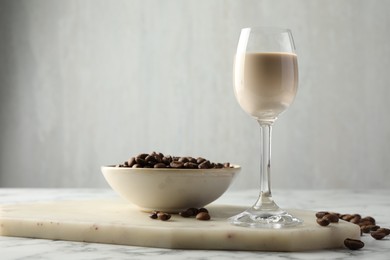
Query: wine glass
(265, 84)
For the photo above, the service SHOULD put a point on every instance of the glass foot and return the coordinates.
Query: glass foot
(264, 219)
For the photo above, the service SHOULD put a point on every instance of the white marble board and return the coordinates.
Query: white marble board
(114, 221)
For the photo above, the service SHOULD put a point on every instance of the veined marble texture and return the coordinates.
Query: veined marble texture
(370, 202)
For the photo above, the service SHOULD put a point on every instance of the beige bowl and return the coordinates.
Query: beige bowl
(169, 190)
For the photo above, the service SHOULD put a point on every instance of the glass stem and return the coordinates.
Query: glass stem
(265, 201)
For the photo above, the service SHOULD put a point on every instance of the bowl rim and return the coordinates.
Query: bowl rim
(114, 167)
(171, 171)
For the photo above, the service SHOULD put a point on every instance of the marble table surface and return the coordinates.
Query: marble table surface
(375, 203)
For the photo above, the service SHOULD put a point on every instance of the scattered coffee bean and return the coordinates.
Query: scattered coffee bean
(192, 211)
(203, 216)
(374, 227)
(332, 218)
(355, 220)
(203, 210)
(159, 160)
(320, 214)
(163, 216)
(384, 230)
(366, 229)
(367, 226)
(378, 235)
(323, 222)
(336, 213)
(185, 214)
(353, 244)
(346, 217)
(153, 215)
(368, 219)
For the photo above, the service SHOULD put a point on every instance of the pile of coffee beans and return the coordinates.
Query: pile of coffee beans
(199, 214)
(159, 160)
(367, 226)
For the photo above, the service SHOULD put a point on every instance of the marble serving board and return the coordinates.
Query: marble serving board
(118, 222)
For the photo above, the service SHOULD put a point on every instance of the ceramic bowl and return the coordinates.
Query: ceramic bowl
(169, 190)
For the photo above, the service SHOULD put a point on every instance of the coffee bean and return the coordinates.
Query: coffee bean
(320, 214)
(369, 228)
(384, 230)
(167, 159)
(199, 160)
(192, 160)
(204, 165)
(140, 161)
(163, 216)
(193, 211)
(368, 219)
(176, 164)
(190, 165)
(346, 217)
(353, 244)
(150, 159)
(219, 165)
(142, 155)
(160, 165)
(153, 215)
(131, 162)
(335, 213)
(378, 235)
(332, 218)
(374, 227)
(158, 158)
(365, 229)
(185, 214)
(137, 166)
(183, 159)
(365, 223)
(357, 216)
(355, 220)
(203, 216)
(323, 222)
(203, 210)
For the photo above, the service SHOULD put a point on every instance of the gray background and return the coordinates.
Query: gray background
(90, 83)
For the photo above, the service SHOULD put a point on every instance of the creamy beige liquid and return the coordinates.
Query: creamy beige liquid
(265, 83)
